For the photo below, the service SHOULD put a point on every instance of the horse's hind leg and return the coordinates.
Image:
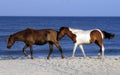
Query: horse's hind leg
(99, 53)
(24, 51)
(31, 51)
(74, 49)
(100, 44)
(51, 49)
(60, 49)
(102, 51)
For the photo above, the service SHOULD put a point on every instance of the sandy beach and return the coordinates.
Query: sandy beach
(58, 66)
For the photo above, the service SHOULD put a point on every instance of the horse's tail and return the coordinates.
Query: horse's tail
(108, 35)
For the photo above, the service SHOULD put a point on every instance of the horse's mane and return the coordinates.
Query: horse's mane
(61, 28)
(24, 32)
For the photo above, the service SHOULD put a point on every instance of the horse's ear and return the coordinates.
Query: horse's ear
(61, 28)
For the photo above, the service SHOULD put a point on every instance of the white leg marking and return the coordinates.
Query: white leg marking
(74, 50)
(103, 51)
(99, 54)
(81, 47)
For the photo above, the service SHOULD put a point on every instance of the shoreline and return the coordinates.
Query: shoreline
(58, 66)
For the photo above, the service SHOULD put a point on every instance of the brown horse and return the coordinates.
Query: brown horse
(38, 37)
(80, 37)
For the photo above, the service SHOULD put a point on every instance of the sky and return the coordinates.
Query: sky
(59, 7)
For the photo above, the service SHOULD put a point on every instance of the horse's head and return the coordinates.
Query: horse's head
(10, 41)
(62, 32)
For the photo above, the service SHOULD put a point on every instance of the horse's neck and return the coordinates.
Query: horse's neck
(17, 37)
(71, 35)
(73, 30)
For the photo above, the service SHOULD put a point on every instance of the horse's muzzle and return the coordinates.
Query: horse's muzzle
(8, 47)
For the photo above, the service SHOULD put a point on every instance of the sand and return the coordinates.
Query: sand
(57, 66)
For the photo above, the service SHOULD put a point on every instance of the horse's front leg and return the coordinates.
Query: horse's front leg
(74, 50)
(60, 49)
(31, 51)
(24, 51)
(100, 44)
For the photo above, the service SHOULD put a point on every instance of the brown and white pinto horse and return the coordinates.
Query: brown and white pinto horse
(38, 37)
(80, 37)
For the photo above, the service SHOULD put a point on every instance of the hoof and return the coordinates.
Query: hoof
(99, 57)
(84, 57)
(72, 57)
(48, 58)
(28, 56)
(62, 57)
(32, 57)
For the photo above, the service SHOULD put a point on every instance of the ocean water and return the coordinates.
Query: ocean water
(10, 25)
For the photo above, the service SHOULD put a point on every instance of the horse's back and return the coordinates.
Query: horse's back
(82, 36)
(24, 33)
(85, 36)
(43, 33)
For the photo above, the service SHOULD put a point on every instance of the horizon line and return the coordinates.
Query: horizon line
(57, 16)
